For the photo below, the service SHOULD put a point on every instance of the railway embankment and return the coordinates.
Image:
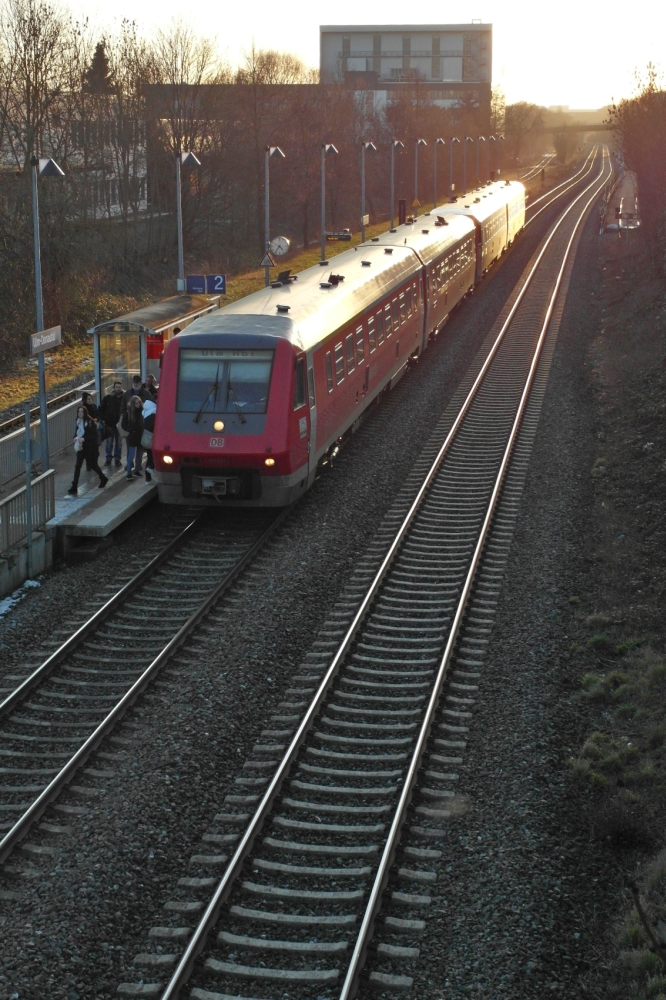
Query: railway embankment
(620, 625)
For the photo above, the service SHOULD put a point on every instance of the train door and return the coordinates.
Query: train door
(312, 410)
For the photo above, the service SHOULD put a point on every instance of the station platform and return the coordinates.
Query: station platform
(94, 513)
(622, 208)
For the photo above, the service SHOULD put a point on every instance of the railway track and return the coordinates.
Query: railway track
(60, 712)
(283, 898)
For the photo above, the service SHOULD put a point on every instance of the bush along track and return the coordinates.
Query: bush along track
(621, 625)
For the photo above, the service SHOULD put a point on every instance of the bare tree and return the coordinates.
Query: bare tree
(522, 121)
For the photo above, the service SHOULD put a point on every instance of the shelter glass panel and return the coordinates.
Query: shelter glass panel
(120, 359)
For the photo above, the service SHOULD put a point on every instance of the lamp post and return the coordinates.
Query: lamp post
(500, 138)
(417, 143)
(276, 153)
(479, 139)
(452, 143)
(467, 139)
(370, 148)
(186, 159)
(41, 168)
(326, 148)
(395, 144)
(437, 142)
(491, 138)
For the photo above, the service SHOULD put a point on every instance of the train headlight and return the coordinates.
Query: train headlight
(219, 425)
(269, 462)
(168, 460)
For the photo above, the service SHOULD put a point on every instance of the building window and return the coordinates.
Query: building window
(436, 68)
(377, 53)
(406, 52)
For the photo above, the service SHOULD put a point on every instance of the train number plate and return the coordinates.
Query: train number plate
(217, 442)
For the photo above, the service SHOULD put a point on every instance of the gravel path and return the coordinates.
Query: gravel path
(70, 921)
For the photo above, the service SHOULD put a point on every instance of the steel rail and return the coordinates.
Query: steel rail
(570, 182)
(209, 918)
(366, 929)
(65, 775)
(44, 669)
(585, 167)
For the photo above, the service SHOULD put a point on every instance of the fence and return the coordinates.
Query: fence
(13, 510)
(60, 426)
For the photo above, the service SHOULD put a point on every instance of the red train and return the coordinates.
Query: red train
(255, 395)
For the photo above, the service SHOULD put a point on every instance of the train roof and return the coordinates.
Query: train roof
(302, 311)
(484, 201)
(425, 237)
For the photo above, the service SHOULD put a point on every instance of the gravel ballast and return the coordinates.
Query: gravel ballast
(71, 929)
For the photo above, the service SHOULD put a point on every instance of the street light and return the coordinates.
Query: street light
(395, 144)
(326, 148)
(276, 153)
(417, 143)
(479, 139)
(491, 138)
(467, 139)
(44, 167)
(186, 159)
(370, 148)
(500, 138)
(438, 142)
(452, 143)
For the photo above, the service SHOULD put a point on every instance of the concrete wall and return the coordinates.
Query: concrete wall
(14, 564)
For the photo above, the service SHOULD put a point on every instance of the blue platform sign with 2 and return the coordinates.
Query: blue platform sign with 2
(195, 284)
(216, 284)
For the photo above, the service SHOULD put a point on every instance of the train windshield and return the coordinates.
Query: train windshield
(223, 381)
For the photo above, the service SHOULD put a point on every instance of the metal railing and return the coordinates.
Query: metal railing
(19, 419)
(60, 425)
(13, 510)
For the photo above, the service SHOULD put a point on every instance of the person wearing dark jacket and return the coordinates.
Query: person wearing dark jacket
(109, 411)
(148, 413)
(86, 448)
(132, 422)
(89, 403)
(137, 390)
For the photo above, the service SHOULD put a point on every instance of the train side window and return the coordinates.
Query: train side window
(380, 328)
(339, 364)
(416, 295)
(403, 308)
(372, 337)
(311, 386)
(329, 372)
(408, 300)
(395, 309)
(299, 384)
(349, 344)
(388, 325)
(360, 346)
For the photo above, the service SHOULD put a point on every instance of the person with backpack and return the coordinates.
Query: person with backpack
(132, 423)
(109, 411)
(86, 448)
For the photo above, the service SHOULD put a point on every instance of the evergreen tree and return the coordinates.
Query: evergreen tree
(98, 74)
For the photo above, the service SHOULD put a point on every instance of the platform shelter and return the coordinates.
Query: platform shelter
(132, 344)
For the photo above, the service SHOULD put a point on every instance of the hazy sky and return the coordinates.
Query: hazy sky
(571, 52)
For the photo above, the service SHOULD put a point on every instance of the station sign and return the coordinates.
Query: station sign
(195, 284)
(339, 237)
(216, 284)
(45, 340)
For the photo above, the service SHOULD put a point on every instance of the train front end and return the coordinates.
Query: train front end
(226, 432)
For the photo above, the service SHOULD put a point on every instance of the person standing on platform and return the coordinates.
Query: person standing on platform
(132, 422)
(148, 413)
(151, 385)
(89, 403)
(109, 411)
(86, 448)
(137, 390)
